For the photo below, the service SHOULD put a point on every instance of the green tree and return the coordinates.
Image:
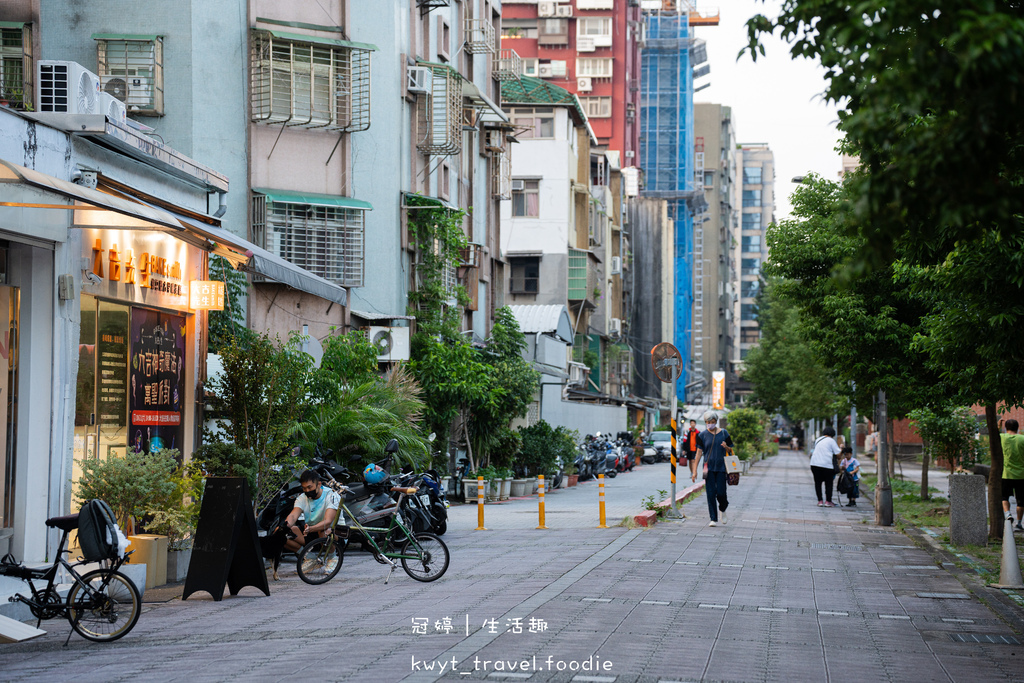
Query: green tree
(349, 360)
(748, 428)
(947, 432)
(229, 323)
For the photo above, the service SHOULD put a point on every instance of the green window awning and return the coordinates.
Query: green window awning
(12, 24)
(123, 36)
(310, 199)
(315, 40)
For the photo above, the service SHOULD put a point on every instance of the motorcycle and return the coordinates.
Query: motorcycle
(583, 462)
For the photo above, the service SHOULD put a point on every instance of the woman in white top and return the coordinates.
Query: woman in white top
(822, 465)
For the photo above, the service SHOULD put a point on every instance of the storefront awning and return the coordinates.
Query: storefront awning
(310, 199)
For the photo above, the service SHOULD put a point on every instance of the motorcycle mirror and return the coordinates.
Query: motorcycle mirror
(355, 458)
(392, 446)
(431, 437)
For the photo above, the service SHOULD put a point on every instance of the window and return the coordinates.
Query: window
(749, 288)
(577, 274)
(709, 178)
(597, 107)
(597, 28)
(310, 84)
(751, 266)
(752, 244)
(751, 221)
(519, 28)
(524, 275)
(131, 69)
(553, 32)
(750, 335)
(16, 65)
(748, 311)
(530, 67)
(444, 38)
(595, 67)
(751, 197)
(325, 240)
(446, 180)
(555, 68)
(535, 126)
(526, 198)
(751, 175)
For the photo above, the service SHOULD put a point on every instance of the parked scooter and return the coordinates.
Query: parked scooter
(583, 461)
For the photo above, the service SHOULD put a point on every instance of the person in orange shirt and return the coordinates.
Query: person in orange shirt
(690, 448)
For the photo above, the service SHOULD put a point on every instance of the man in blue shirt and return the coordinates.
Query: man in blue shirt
(319, 508)
(714, 444)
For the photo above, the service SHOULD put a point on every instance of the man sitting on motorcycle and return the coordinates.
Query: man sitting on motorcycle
(319, 508)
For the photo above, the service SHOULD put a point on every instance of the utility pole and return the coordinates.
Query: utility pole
(853, 423)
(883, 491)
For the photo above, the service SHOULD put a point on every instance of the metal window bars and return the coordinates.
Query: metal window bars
(440, 113)
(325, 240)
(310, 85)
(479, 37)
(132, 71)
(501, 175)
(508, 67)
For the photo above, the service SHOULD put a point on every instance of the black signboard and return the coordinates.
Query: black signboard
(157, 380)
(226, 550)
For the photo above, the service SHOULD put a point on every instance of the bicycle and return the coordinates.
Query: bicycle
(423, 556)
(102, 605)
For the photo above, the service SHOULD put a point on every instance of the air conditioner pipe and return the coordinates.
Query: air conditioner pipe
(223, 207)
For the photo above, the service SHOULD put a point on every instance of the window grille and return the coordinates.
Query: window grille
(131, 69)
(440, 113)
(310, 84)
(479, 36)
(595, 67)
(501, 175)
(510, 66)
(16, 66)
(578, 289)
(325, 240)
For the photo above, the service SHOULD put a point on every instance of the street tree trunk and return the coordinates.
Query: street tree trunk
(924, 473)
(995, 474)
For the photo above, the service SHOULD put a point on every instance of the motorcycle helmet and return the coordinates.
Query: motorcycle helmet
(373, 474)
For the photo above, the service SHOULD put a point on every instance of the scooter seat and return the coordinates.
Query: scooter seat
(407, 490)
(65, 523)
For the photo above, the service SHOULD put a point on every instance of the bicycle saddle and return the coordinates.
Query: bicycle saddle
(65, 523)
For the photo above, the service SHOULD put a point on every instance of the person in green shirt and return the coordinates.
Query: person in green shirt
(1013, 470)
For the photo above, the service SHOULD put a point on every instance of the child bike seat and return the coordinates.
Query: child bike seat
(65, 523)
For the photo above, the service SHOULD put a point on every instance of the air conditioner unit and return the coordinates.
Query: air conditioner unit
(615, 327)
(116, 87)
(392, 342)
(418, 79)
(563, 10)
(113, 108)
(585, 44)
(545, 71)
(518, 185)
(495, 140)
(545, 9)
(584, 84)
(616, 265)
(630, 154)
(67, 87)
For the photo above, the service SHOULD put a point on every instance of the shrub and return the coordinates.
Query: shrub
(132, 484)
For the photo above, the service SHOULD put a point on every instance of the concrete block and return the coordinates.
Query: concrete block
(968, 509)
(646, 518)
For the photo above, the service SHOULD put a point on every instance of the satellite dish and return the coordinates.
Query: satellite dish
(383, 341)
(117, 87)
(666, 362)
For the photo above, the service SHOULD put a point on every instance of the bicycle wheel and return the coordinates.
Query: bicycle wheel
(319, 561)
(107, 609)
(431, 561)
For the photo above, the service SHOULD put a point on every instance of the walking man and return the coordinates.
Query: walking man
(712, 444)
(1013, 470)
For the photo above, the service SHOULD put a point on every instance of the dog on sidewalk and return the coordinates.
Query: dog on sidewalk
(272, 547)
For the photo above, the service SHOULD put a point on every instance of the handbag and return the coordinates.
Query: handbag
(732, 464)
(733, 478)
(836, 469)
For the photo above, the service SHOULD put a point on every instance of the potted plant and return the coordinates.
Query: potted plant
(506, 483)
(572, 477)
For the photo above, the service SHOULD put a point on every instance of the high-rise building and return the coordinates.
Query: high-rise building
(715, 230)
(756, 188)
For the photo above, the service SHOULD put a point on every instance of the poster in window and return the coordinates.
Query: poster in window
(157, 380)
(111, 359)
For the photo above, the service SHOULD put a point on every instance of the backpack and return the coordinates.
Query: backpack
(97, 531)
(845, 483)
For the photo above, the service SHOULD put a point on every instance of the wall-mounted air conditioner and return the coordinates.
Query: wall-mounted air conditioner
(545, 9)
(585, 44)
(616, 265)
(113, 108)
(495, 140)
(67, 87)
(584, 84)
(518, 185)
(563, 10)
(392, 342)
(418, 79)
(615, 327)
(116, 87)
(545, 71)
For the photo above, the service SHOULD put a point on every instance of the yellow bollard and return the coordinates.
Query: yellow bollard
(540, 499)
(480, 505)
(600, 487)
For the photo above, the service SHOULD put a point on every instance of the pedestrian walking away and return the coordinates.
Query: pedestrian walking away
(1013, 470)
(851, 466)
(714, 444)
(690, 446)
(824, 465)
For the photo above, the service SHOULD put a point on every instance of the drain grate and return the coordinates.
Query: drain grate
(945, 596)
(836, 546)
(983, 638)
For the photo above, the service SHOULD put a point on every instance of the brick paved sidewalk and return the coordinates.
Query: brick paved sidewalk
(786, 591)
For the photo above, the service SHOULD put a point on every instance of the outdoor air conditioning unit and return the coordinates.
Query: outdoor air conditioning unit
(392, 342)
(585, 44)
(545, 71)
(113, 108)
(67, 87)
(615, 327)
(630, 154)
(584, 84)
(563, 10)
(495, 140)
(545, 9)
(418, 80)
(116, 87)
(616, 265)
(518, 185)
